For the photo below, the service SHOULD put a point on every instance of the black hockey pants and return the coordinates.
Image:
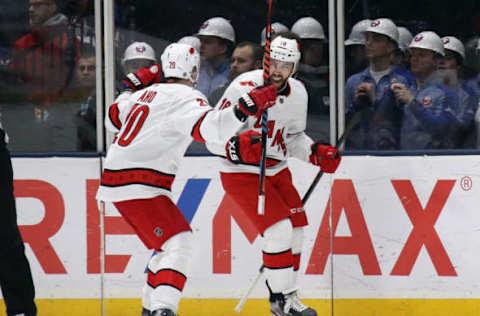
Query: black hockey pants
(15, 276)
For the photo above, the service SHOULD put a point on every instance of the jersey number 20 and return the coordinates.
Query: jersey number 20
(134, 122)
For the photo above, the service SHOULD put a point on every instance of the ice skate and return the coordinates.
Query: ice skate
(289, 304)
(163, 312)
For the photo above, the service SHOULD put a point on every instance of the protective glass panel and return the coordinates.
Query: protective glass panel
(416, 91)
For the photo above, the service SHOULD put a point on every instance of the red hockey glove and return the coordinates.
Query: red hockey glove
(143, 78)
(258, 100)
(326, 156)
(245, 148)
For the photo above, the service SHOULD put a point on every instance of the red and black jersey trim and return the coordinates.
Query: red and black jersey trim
(149, 177)
(114, 116)
(285, 91)
(196, 129)
(278, 260)
(166, 277)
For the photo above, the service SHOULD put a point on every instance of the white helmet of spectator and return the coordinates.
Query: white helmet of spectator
(285, 49)
(454, 44)
(181, 61)
(219, 27)
(276, 28)
(308, 28)
(404, 38)
(428, 40)
(385, 27)
(138, 50)
(192, 41)
(357, 36)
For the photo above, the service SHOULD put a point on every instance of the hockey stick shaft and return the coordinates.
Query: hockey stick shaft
(353, 122)
(266, 77)
(242, 301)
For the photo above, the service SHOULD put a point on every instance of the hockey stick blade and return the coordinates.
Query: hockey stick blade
(245, 296)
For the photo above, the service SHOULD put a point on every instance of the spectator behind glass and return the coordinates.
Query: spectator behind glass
(136, 56)
(85, 98)
(313, 72)
(44, 59)
(277, 27)
(451, 74)
(430, 107)
(369, 92)
(355, 58)
(217, 37)
(400, 57)
(44, 62)
(245, 57)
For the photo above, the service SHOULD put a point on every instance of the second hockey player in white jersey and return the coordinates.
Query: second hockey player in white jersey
(154, 126)
(282, 224)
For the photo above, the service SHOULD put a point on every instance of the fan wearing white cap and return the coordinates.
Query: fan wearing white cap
(217, 37)
(138, 55)
(451, 73)
(400, 58)
(430, 107)
(313, 72)
(355, 58)
(369, 90)
(277, 27)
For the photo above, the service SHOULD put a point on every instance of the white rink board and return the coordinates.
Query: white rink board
(377, 183)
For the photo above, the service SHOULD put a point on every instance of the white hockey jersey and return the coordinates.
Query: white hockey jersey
(154, 128)
(286, 123)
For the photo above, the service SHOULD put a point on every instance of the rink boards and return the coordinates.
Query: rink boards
(406, 234)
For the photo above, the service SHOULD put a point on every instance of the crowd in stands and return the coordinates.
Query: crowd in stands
(412, 90)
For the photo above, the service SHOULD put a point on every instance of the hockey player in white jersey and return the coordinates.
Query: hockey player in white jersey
(282, 224)
(154, 127)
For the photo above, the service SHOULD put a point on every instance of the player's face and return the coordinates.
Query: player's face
(422, 62)
(242, 61)
(280, 71)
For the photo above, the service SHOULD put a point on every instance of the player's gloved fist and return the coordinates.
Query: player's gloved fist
(326, 156)
(258, 100)
(143, 78)
(244, 148)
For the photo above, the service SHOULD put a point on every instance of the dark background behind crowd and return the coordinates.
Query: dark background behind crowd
(161, 22)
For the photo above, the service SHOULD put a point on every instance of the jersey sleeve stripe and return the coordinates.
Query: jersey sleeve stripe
(114, 116)
(196, 129)
(115, 178)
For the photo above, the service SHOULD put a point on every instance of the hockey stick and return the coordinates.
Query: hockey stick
(266, 76)
(242, 301)
(357, 117)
